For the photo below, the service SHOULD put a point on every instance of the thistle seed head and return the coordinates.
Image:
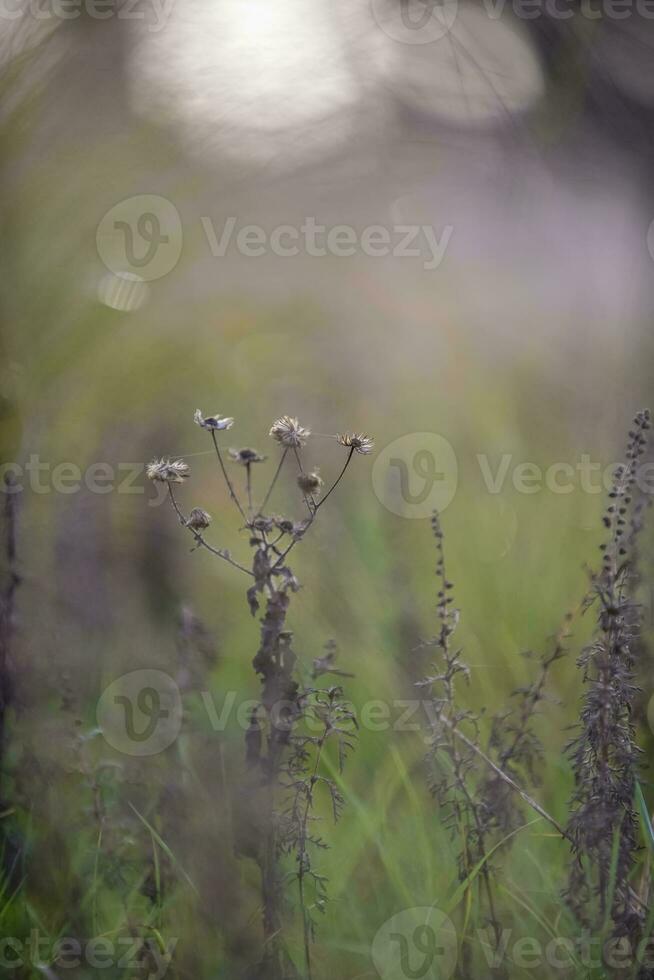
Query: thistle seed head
(289, 433)
(357, 441)
(167, 470)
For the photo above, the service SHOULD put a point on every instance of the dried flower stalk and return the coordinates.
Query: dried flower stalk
(270, 736)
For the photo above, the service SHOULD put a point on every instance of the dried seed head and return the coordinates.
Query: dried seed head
(198, 519)
(357, 441)
(214, 422)
(289, 433)
(261, 523)
(167, 470)
(246, 456)
(309, 482)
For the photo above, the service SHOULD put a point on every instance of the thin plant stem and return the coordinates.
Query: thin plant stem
(315, 509)
(303, 848)
(274, 481)
(200, 540)
(337, 480)
(230, 487)
(535, 695)
(529, 800)
(293, 543)
(309, 501)
(248, 486)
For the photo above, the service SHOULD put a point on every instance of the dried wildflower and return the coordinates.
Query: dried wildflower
(215, 422)
(274, 745)
(262, 523)
(357, 441)
(309, 483)
(246, 456)
(283, 524)
(289, 433)
(198, 519)
(293, 528)
(300, 528)
(167, 470)
(454, 756)
(605, 755)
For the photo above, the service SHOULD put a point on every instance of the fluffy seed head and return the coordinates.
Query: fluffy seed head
(309, 482)
(357, 441)
(289, 433)
(167, 470)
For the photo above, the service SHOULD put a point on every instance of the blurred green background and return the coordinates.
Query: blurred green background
(532, 338)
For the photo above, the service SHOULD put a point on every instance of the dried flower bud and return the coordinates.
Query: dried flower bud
(357, 441)
(246, 456)
(214, 422)
(289, 433)
(167, 470)
(300, 527)
(198, 519)
(261, 523)
(309, 483)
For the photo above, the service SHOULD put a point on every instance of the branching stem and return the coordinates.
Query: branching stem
(219, 552)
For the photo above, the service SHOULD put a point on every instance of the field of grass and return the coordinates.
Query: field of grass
(101, 843)
(121, 864)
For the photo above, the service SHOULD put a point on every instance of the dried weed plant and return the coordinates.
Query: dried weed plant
(282, 757)
(606, 759)
(482, 788)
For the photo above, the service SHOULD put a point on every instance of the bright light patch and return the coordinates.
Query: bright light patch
(249, 79)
